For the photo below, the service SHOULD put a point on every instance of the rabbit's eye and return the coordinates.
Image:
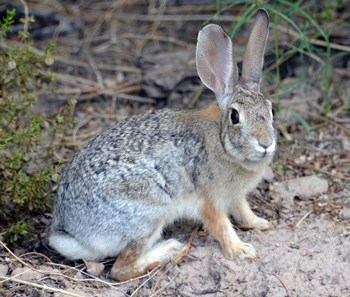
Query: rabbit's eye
(234, 116)
(273, 112)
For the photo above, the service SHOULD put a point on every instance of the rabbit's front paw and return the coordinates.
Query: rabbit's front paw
(240, 250)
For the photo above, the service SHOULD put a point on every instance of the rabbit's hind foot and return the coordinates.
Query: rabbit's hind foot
(133, 261)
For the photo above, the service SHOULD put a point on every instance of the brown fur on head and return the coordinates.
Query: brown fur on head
(211, 113)
(254, 129)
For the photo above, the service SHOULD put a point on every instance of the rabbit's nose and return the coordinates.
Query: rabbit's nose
(267, 147)
(264, 147)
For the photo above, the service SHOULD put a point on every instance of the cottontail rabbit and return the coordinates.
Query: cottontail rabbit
(124, 186)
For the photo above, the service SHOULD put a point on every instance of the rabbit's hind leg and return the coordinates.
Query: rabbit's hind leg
(134, 260)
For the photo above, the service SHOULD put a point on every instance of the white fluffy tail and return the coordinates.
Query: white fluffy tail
(69, 247)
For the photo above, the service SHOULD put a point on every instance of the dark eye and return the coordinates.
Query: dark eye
(234, 116)
(273, 112)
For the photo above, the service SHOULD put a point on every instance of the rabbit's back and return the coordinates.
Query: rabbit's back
(124, 181)
(155, 145)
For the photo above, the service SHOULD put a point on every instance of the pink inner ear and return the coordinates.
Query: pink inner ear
(215, 64)
(216, 68)
(221, 59)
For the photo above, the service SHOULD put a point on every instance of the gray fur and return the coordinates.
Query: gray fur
(122, 182)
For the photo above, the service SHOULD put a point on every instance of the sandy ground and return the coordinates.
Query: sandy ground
(307, 257)
(312, 259)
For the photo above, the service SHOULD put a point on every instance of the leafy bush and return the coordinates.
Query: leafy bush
(26, 139)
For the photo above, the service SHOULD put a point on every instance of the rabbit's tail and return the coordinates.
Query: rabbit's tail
(70, 247)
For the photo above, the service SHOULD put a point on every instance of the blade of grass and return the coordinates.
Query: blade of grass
(302, 121)
(276, 22)
(328, 51)
(246, 16)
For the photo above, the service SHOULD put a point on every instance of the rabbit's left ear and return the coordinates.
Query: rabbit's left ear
(215, 64)
(254, 53)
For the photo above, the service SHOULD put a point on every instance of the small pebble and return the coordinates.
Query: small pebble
(346, 144)
(344, 214)
(3, 270)
(268, 175)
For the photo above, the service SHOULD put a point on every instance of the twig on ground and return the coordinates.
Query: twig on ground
(95, 69)
(303, 218)
(314, 40)
(16, 257)
(175, 262)
(187, 248)
(147, 280)
(44, 287)
(155, 38)
(177, 18)
(195, 97)
(279, 279)
(163, 288)
(36, 254)
(15, 276)
(155, 285)
(68, 268)
(284, 131)
(80, 125)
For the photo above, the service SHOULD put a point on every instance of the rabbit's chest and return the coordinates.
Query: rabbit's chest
(234, 183)
(188, 207)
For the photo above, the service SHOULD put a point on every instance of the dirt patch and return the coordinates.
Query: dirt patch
(312, 259)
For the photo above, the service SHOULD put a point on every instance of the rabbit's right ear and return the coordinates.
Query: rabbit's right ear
(254, 53)
(215, 64)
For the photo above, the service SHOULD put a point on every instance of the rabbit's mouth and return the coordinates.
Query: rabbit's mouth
(266, 155)
(264, 150)
(261, 153)
(259, 157)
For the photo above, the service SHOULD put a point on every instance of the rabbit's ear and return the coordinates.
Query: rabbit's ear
(254, 53)
(215, 63)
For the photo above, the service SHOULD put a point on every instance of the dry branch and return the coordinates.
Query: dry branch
(43, 287)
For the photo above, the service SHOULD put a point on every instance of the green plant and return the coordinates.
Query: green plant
(26, 139)
(19, 232)
(6, 23)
